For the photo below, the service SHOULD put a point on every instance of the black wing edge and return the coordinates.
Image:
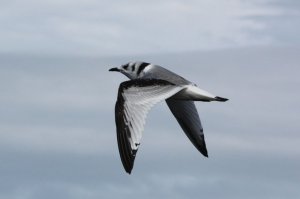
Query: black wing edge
(127, 154)
(142, 83)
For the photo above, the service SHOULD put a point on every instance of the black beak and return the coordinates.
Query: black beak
(114, 69)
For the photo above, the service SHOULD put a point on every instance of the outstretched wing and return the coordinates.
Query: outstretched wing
(187, 116)
(135, 98)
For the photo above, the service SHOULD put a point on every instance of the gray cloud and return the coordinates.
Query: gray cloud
(53, 148)
(134, 27)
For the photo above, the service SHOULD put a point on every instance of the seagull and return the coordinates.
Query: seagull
(148, 85)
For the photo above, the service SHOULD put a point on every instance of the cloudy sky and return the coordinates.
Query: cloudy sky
(57, 131)
(118, 27)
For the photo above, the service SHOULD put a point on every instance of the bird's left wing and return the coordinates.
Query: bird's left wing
(135, 98)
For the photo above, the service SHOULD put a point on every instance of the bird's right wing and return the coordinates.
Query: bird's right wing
(135, 98)
(187, 116)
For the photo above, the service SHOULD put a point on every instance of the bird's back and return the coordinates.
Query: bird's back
(158, 72)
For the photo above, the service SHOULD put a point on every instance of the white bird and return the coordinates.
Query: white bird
(148, 85)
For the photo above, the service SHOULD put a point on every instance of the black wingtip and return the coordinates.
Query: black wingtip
(202, 147)
(203, 151)
(128, 171)
(205, 154)
(220, 99)
(128, 166)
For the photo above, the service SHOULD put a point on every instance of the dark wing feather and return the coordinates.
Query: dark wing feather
(126, 154)
(187, 116)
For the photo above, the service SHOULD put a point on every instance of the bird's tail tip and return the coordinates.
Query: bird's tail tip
(220, 99)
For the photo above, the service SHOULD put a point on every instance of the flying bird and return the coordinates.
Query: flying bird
(148, 85)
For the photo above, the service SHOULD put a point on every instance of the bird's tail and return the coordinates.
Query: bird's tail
(220, 99)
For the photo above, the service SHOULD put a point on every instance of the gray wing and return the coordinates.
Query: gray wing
(135, 99)
(187, 116)
(158, 72)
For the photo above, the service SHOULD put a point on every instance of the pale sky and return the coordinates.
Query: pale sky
(103, 28)
(57, 129)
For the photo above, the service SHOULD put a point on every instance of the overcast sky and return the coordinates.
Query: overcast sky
(94, 27)
(57, 130)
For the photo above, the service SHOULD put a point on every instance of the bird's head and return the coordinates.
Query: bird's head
(132, 70)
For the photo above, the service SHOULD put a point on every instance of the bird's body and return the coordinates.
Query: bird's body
(150, 84)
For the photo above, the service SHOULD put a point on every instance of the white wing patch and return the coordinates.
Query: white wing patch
(135, 99)
(137, 103)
